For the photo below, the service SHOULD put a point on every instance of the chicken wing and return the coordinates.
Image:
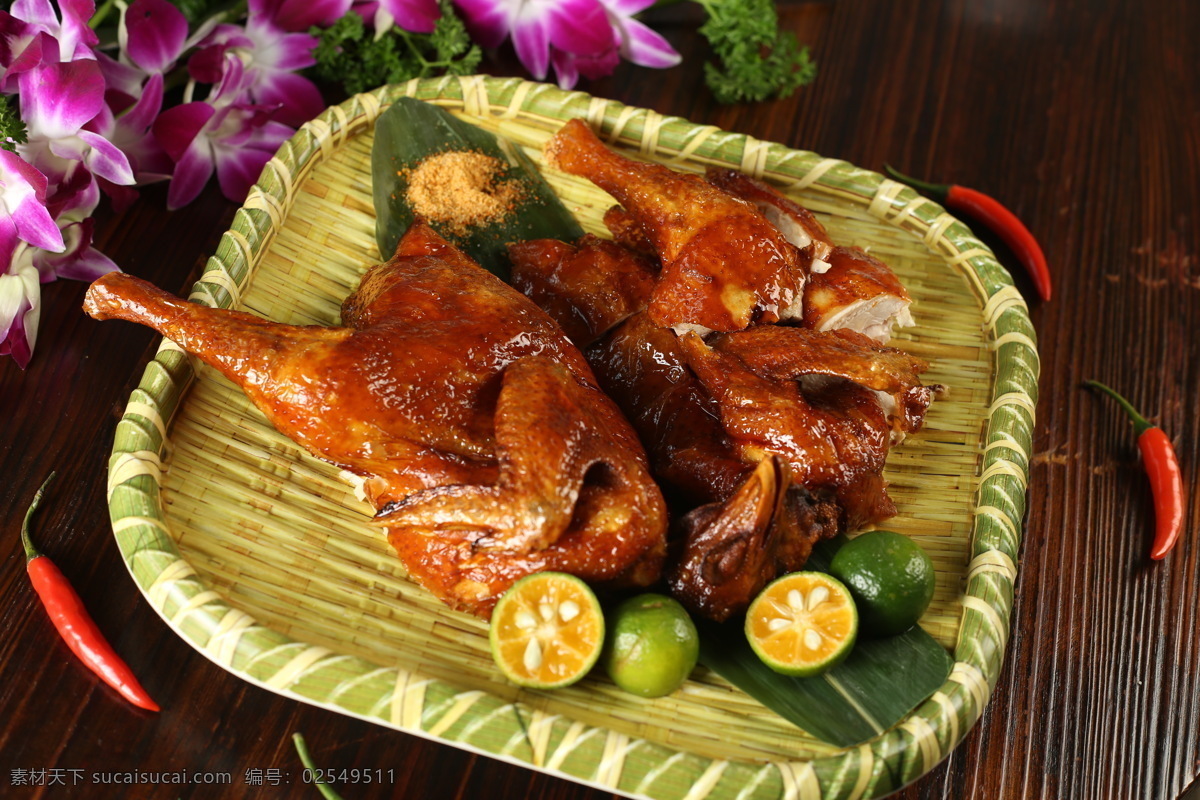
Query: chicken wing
(487, 449)
(723, 265)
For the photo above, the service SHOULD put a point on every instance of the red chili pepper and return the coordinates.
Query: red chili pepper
(73, 622)
(1162, 466)
(997, 217)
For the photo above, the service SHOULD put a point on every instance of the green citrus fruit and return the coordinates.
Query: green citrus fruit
(802, 624)
(891, 577)
(652, 645)
(547, 630)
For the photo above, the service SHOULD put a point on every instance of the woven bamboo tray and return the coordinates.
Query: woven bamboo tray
(260, 556)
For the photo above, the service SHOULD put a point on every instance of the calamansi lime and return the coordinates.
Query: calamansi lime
(891, 577)
(802, 624)
(652, 645)
(547, 630)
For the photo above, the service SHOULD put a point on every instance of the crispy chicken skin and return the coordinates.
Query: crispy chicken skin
(723, 265)
(487, 449)
(798, 225)
(713, 412)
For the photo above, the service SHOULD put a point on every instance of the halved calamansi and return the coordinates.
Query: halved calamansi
(803, 623)
(547, 631)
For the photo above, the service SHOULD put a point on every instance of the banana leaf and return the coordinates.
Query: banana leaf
(876, 687)
(410, 131)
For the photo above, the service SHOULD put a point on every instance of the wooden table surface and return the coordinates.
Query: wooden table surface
(1082, 115)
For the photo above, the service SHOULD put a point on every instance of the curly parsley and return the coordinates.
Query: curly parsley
(349, 55)
(12, 129)
(755, 60)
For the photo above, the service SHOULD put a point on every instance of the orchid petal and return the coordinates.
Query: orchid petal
(20, 301)
(418, 16)
(141, 115)
(487, 21)
(77, 34)
(23, 200)
(579, 26)
(87, 266)
(36, 12)
(627, 8)
(105, 159)
(298, 98)
(237, 170)
(532, 43)
(177, 127)
(125, 79)
(42, 48)
(122, 197)
(81, 262)
(156, 33)
(300, 15)
(290, 51)
(207, 64)
(192, 171)
(58, 99)
(564, 69)
(644, 47)
(34, 224)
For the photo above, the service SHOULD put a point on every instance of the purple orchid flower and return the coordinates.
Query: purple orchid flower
(57, 100)
(417, 16)
(131, 131)
(574, 26)
(32, 33)
(577, 37)
(78, 260)
(221, 133)
(270, 57)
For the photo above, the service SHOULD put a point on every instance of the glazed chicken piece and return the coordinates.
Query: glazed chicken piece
(711, 414)
(798, 225)
(486, 447)
(729, 551)
(845, 287)
(723, 265)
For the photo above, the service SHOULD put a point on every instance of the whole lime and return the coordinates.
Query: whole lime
(891, 578)
(651, 645)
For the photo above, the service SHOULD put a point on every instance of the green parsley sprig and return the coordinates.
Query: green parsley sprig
(755, 60)
(12, 129)
(349, 55)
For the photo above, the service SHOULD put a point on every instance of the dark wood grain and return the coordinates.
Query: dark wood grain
(1083, 116)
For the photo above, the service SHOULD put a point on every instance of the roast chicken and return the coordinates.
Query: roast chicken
(766, 437)
(485, 445)
(770, 438)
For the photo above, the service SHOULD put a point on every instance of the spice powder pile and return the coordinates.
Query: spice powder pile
(461, 189)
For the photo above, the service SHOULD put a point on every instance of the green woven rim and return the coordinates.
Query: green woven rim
(512, 731)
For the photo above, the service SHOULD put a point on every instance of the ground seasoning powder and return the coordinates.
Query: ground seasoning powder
(461, 189)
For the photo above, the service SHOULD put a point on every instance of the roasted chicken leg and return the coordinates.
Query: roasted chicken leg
(486, 447)
(723, 265)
